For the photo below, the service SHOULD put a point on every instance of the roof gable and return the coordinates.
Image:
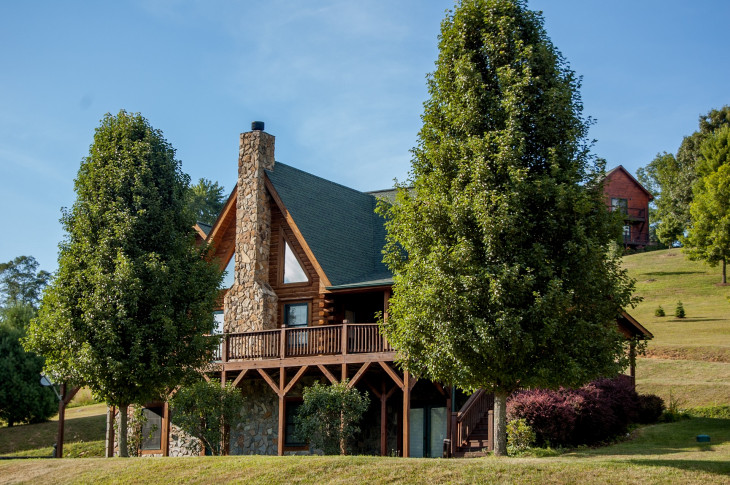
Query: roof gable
(338, 223)
(621, 170)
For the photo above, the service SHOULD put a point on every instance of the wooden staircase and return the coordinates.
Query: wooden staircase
(472, 427)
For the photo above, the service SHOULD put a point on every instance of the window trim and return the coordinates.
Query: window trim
(296, 302)
(287, 445)
(164, 429)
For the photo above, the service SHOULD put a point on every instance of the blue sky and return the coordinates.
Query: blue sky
(339, 83)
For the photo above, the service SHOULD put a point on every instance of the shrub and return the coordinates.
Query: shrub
(679, 310)
(520, 436)
(547, 413)
(204, 409)
(594, 413)
(659, 312)
(718, 412)
(329, 415)
(673, 412)
(651, 408)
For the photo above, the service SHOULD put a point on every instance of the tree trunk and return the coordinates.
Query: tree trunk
(724, 273)
(123, 408)
(500, 423)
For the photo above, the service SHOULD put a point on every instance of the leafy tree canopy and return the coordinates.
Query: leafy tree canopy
(205, 200)
(670, 178)
(502, 278)
(22, 397)
(127, 312)
(709, 234)
(21, 282)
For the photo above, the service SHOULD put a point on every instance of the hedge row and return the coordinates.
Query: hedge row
(596, 412)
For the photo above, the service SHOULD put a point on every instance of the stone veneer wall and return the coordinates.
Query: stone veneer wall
(181, 443)
(251, 304)
(259, 432)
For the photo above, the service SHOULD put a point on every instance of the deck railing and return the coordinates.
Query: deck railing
(353, 338)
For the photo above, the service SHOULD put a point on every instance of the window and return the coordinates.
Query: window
(152, 428)
(621, 205)
(290, 437)
(296, 314)
(293, 271)
(218, 316)
(627, 231)
(228, 275)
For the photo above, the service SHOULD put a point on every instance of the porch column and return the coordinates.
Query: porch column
(632, 362)
(406, 414)
(383, 421)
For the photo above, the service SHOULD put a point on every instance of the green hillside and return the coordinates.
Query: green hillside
(690, 356)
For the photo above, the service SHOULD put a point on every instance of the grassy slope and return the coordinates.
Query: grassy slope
(84, 434)
(665, 453)
(690, 356)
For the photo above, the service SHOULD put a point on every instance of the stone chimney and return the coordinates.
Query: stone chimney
(250, 304)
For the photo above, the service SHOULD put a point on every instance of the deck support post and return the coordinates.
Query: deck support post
(282, 419)
(632, 362)
(383, 421)
(406, 414)
(65, 399)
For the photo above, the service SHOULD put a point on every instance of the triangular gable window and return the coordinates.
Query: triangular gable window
(228, 275)
(293, 271)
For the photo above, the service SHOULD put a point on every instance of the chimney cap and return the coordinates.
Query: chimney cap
(257, 126)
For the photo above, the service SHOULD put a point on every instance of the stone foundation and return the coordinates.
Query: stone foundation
(258, 434)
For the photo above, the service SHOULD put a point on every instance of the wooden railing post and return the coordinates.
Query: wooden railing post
(344, 339)
(282, 343)
(224, 348)
(490, 429)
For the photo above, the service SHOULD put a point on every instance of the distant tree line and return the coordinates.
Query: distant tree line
(692, 191)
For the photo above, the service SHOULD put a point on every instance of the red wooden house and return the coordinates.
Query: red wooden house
(625, 194)
(308, 283)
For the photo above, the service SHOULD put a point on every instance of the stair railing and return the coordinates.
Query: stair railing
(467, 418)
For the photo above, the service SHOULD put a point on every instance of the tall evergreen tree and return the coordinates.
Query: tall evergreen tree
(709, 233)
(205, 200)
(133, 297)
(502, 275)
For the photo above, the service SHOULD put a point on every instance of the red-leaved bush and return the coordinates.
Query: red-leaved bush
(594, 413)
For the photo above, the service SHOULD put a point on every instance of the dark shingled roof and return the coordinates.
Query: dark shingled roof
(339, 225)
(205, 227)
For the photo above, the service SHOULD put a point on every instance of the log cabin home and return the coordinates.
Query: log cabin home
(626, 195)
(306, 284)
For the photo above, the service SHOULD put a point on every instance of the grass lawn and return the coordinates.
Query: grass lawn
(688, 356)
(665, 453)
(84, 435)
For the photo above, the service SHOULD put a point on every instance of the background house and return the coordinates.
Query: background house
(626, 195)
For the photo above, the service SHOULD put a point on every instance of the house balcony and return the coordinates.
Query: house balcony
(349, 343)
(636, 240)
(631, 213)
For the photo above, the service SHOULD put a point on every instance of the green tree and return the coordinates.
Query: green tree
(502, 277)
(21, 282)
(133, 297)
(204, 409)
(329, 416)
(22, 397)
(205, 200)
(671, 178)
(708, 236)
